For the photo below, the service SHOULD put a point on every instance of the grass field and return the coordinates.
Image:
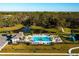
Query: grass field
(23, 48)
(16, 27)
(75, 51)
(44, 29)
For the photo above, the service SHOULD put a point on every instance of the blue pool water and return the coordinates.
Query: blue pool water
(43, 39)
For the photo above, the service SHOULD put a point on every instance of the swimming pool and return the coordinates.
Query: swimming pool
(41, 39)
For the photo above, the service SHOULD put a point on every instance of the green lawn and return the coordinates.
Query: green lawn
(44, 29)
(23, 48)
(16, 27)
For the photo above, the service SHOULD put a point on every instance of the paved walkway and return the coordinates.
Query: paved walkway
(38, 54)
(70, 50)
(3, 44)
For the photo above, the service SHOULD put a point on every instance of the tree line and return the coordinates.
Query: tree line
(43, 19)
